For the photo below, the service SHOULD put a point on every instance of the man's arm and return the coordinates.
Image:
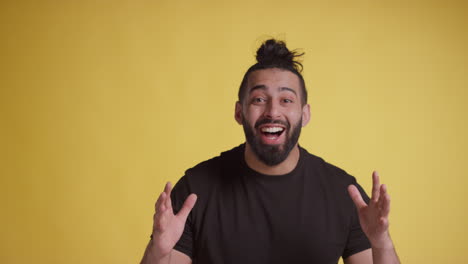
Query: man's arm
(370, 256)
(167, 230)
(373, 218)
(174, 257)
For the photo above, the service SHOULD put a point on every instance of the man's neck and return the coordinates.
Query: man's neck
(284, 167)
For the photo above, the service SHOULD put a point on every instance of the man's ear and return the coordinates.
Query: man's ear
(238, 113)
(305, 114)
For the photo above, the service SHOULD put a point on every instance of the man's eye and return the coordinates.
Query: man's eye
(258, 100)
(287, 100)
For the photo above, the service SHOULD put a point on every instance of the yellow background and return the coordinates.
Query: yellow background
(102, 102)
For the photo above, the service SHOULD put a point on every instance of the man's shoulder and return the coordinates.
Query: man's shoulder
(213, 166)
(324, 168)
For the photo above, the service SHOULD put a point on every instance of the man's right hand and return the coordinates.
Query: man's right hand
(168, 227)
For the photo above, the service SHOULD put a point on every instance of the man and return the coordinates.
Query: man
(269, 200)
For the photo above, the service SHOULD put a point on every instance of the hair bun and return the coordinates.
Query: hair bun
(275, 53)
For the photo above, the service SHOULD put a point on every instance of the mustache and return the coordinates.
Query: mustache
(271, 121)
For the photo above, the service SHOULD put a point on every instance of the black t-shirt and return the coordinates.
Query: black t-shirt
(242, 216)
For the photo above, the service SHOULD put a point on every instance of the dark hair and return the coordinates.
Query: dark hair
(274, 54)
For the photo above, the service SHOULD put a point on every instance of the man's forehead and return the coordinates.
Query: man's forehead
(277, 79)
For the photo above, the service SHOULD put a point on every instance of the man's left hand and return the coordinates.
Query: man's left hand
(374, 216)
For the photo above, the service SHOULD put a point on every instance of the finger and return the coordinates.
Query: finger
(162, 206)
(160, 222)
(385, 206)
(161, 199)
(356, 197)
(159, 217)
(375, 186)
(187, 207)
(168, 202)
(382, 192)
(158, 202)
(167, 187)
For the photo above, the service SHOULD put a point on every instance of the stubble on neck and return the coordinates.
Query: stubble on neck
(282, 168)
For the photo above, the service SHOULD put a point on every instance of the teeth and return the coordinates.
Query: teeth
(272, 129)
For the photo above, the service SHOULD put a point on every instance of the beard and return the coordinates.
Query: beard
(272, 155)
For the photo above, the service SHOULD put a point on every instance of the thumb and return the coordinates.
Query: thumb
(187, 207)
(356, 197)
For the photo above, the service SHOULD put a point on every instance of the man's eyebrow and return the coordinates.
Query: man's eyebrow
(288, 89)
(263, 87)
(256, 87)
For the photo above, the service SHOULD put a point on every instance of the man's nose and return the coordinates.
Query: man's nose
(272, 110)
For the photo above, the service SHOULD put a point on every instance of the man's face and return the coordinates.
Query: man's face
(272, 114)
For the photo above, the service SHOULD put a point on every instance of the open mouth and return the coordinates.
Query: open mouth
(272, 131)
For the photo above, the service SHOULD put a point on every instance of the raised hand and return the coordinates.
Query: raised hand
(168, 227)
(374, 216)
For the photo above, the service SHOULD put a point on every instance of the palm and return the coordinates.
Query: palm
(373, 217)
(373, 220)
(168, 227)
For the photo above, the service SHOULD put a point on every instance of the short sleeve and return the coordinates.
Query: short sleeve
(179, 194)
(357, 240)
